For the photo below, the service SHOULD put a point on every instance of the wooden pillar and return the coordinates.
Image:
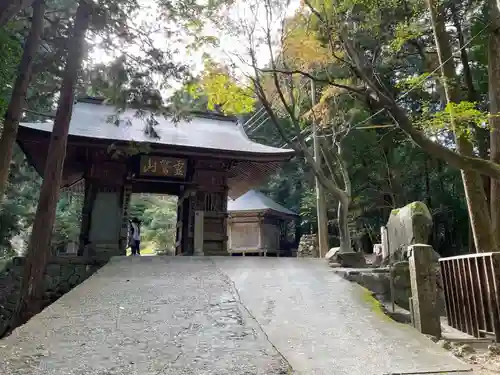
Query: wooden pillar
(187, 226)
(88, 204)
(261, 243)
(298, 232)
(178, 227)
(185, 220)
(225, 219)
(229, 235)
(125, 200)
(198, 233)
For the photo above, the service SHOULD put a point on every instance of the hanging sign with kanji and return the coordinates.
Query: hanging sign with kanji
(161, 166)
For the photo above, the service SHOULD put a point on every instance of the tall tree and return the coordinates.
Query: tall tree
(484, 239)
(14, 111)
(30, 301)
(494, 121)
(9, 8)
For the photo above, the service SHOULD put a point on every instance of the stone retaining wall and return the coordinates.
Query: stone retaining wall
(62, 275)
(308, 246)
(377, 280)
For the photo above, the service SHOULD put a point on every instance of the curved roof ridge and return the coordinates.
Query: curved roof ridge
(92, 120)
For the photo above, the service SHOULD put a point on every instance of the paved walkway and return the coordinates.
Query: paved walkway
(231, 315)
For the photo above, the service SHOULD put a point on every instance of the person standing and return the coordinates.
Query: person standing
(135, 236)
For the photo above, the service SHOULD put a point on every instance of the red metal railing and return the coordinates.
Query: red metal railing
(472, 293)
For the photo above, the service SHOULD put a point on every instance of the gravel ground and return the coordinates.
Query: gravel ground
(222, 315)
(144, 316)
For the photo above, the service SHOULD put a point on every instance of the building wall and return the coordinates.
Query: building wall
(271, 237)
(255, 232)
(244, 236)
(106, 222)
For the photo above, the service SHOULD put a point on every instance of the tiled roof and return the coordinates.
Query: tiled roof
(216, 132)
(256, 201)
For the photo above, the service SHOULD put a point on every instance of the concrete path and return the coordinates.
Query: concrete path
(227, 315)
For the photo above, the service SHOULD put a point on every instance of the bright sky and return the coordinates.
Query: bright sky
(233, 48)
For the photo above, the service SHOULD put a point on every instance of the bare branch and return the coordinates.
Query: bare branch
(310, 76)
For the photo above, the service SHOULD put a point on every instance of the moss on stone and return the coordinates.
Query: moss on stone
(414, 207)
(419, 208)
(374, 304)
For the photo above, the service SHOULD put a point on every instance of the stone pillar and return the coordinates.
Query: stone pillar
(424, 307)
(385, 242)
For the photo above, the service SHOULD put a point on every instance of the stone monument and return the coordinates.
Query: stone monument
(406, 226)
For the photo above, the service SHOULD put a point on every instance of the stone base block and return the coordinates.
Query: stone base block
(349, 260)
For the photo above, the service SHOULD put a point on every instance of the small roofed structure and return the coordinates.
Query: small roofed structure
(257, 224)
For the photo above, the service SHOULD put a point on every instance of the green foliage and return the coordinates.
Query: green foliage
(68, 220)
(404, 32)
(222, 91)
(465, 115)
(9, 58)
(386, 170)
(18, 209)
(412, 82)
(158, 215)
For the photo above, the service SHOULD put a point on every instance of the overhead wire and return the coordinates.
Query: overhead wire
(417, 84)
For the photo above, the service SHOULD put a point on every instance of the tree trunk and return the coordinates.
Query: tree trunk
(484, 239)
(464, 58)
(9, 8)
(344, 234)
(386, 102)
(31, 295)
(14, 111)
(494, 96)
(482, 135)
(428, 195)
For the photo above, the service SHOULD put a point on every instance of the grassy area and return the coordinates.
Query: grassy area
(146, 249)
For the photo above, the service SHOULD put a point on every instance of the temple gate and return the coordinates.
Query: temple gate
(202, 161)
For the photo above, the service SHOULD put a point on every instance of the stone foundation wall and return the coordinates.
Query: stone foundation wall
(308, 246)
(377, 280)
(62, 275)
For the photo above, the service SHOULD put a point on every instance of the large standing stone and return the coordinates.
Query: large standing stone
(407, 226)
(331, 252)
(424, 306)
